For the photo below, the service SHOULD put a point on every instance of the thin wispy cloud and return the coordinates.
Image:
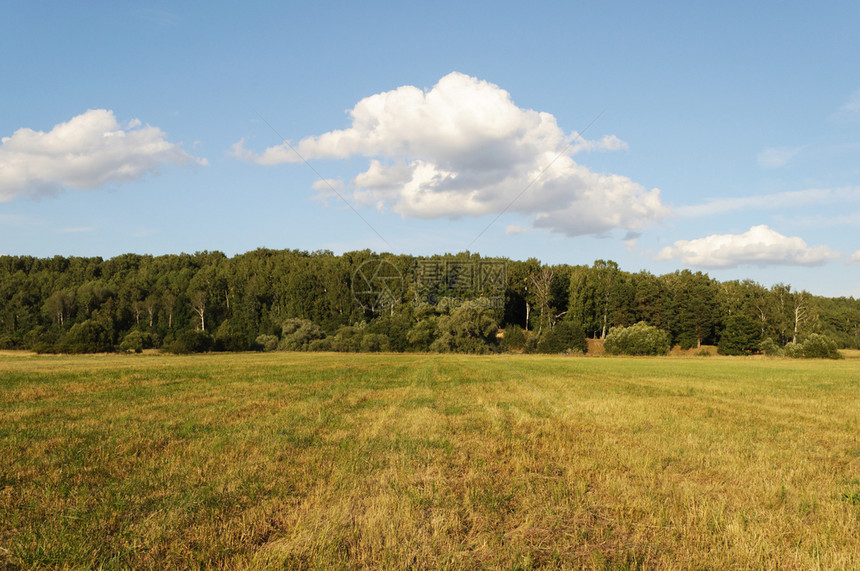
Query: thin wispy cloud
(775, 157)
(19, 221)
(851, 107)
(327, 189)
(463, 148)
(87, 152)
(772, 201)
(851, 218)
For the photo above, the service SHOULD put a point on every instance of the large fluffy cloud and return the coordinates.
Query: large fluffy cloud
(464, 148)
(760, 246)
(86, 152)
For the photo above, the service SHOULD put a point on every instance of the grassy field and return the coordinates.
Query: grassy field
(322, 461)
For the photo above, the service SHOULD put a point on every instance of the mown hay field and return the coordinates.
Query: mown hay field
(320, 461)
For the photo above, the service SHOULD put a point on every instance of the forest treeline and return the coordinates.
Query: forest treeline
(289, 299)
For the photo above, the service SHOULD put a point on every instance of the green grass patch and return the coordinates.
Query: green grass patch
(324, 461)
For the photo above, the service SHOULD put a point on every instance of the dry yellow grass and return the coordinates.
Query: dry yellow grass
(428, 461)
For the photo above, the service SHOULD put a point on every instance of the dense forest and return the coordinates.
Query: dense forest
(296, 300)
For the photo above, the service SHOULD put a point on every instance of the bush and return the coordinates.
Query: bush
(138, 340)
(639, 339)
(347, 339)
(687, 341)
(468, 329)
(395, 327)
(298, 334)
(39, 337)
(89, 336)
(231, 342)
(514, 338)
(793, 350)
(231, 338)
(565, 337)
(532, 340)
(320, 345)
(820, 347)
(422, 335)
(374, 342)
(192, 342)
(770, 348)
(266, 342)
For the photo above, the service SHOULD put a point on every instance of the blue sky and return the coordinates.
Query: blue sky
(721, 137)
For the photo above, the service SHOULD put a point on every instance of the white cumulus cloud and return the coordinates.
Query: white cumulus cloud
(855, 258)
(463, 148)
(86, 152)
(760, 246)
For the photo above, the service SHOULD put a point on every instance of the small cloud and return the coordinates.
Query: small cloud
(760, 246)
(775, 157)
(328, 188)
(855, 258)
(87, 152)
(849, 111)
(513, 230)
(19, 221)
(239, 151)
(631, 241)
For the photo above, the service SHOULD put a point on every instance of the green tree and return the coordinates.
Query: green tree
(696, 307)
(652, 300)
(741, 335)
(541, 287)
(742, 328)
(519, 295)
(59, 306)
